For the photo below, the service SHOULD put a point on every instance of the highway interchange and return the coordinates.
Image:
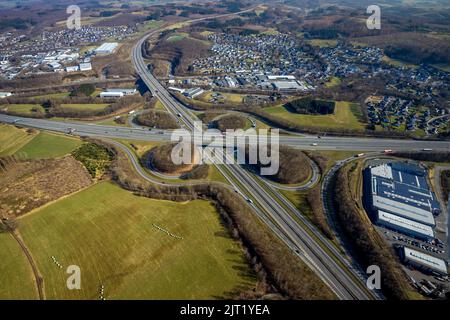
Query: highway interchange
(278, 213)
(341, 274)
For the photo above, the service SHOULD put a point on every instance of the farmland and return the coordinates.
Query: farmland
(111, 235)
(12, 139)
(48, 145)
(16, 276)
(23, 109)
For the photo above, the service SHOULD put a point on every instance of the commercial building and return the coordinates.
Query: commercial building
(124, 91)
(194, 92)
(408, 227)
(117, 93)
(286, 78)
(106, 48)
(106, 94)
(72, 69)
(423, 261)
(55, 66)
(286, 85)
(87, 66)
(401, 189)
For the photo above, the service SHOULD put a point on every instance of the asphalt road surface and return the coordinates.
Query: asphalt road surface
(304, 142)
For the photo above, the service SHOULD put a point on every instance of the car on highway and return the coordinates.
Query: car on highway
(314, 144)
(15, 120)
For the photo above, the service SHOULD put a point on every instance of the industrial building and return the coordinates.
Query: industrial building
(106, 94)
(417, 230)
(86, 66)
(117, 93)
(106, 48)
(194, 92)
(423, 261)
(285, 78)
(402, 190)
(286, 85)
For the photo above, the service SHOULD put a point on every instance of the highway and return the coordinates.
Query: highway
(305, 142)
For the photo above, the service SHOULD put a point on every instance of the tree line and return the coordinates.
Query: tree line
(309, 105)
(369, 247)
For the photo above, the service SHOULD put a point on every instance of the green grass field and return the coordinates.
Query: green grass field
(48, 145)
(16, 275)
(108, 232)
(12, 139)
(25, 109)
(90, 107)
(398, 63)
(149, 25)
(177, 37)
(335, 81)
(233, 98)
(111, 122)
(58, 95)
(345, 117)
(323, 43)
(159, 106)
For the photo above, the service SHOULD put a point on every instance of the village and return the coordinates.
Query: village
(394, 113)
(248, 61)
(49, 52)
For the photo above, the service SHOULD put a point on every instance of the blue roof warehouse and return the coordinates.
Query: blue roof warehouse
(398, 196)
